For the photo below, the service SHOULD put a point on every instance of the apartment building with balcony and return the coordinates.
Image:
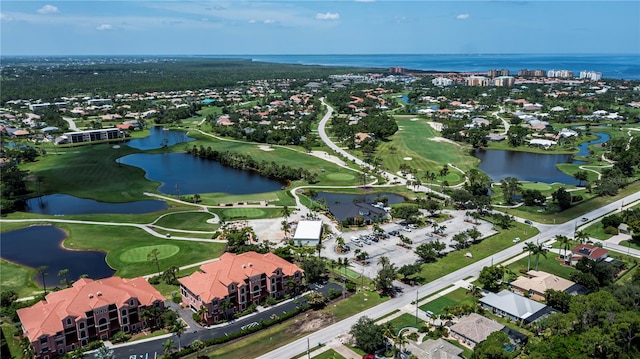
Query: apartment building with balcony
(235, 282)
(90, 310)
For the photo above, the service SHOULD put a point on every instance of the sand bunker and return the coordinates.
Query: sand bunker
(407, 158)
(442, 139)
(265, 148)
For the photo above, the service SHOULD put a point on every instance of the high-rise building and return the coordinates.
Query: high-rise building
(504, 81)
(590, 75)
(477, 81)
(496, 73)
(442, 81)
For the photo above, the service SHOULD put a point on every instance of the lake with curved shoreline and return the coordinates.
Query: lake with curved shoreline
(64, 204)
(583, 149)
(183, 173)
(159, 137)
(525, 166)
(37, 246)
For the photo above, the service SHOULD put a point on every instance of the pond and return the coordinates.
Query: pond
(159, 137)
(37, 246)
(343, 205)
(182, 173)
(583, 149)
(63, 204)
(525, 166)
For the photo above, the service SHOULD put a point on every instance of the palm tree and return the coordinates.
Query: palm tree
(197, 345)
(225, 305)
(202, 313)
(529, 247)
(153, 257)
(285, 211)
(178, 328)
(319, 248)
(401, 341)
(581, 236)
(340, 243)
(475, 291)
(565, 243)
(170, 275)
(285, 228)
(104, 353)
(383, 261)
(539, 249)
(387, 331)
(42, 271)
(63, 274)
(167, 347)
(26, 348)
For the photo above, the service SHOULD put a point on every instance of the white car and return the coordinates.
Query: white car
(516, 240)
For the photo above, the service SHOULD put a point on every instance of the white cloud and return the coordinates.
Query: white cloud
(252, 21)
(462, 16)
(48, 9)
(269, 21)
(5, 17)
(328, 16)
(104, 27)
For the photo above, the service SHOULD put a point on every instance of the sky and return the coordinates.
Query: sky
(239, 27)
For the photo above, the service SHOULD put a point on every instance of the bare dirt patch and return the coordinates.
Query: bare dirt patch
(311, 322)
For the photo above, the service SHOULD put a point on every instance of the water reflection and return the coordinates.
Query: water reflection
(63, 204)
(182, 173)
(42, 246)
(159, 137)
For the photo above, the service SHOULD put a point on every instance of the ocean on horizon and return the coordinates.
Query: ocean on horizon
(617, 66)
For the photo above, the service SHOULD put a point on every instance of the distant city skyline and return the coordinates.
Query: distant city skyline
(105, 27)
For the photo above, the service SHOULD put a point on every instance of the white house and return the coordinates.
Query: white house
(308, 233)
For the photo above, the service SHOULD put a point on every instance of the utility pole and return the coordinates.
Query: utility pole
(308, 349)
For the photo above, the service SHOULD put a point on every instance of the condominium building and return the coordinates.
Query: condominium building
(442, 81)
(235, 282)
(591, 75)
(496, 73)
(477, 81)
(90, 310)
(504, 81)
(565, 74)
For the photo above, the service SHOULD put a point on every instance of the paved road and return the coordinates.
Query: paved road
(153, 347)
(472, 270)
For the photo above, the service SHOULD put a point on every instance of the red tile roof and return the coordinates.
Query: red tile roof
(45, 317)
(215, 277)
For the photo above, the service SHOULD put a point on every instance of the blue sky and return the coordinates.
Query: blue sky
(240, 27)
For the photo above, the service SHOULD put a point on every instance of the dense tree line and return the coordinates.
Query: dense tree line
(48, 81)
(246, 162)
(603, 324)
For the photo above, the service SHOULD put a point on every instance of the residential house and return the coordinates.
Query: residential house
(515, 307)
(90, 310)
(590, 251)
(536, 283)
(235, 282)
(473, 328)
(434, 349)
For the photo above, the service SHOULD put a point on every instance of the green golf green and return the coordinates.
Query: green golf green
(341, 176)
(243, 212)
(140, 254)
(536, 185)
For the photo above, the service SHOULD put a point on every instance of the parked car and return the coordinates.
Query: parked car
(394, 233)
(516, 240)
(526, 221)
(584, 219)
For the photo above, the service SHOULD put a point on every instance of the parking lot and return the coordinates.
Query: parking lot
(396, 254)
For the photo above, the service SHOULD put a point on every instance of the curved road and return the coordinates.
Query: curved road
(546, 232)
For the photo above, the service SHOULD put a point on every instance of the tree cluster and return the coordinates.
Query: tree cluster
(246, 162)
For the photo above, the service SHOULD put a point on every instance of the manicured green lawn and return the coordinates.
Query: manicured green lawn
(457, 259)
(549, 265)
(355, 304)
(456, 297)
(194, 221)
(279, 198)
(574, 212)
(18, 278)
(92, 172)
(414, 140)
(250, 213)
(329, 354)
(404, 321)
(117, 241)
(536, 186)
(139, 254)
